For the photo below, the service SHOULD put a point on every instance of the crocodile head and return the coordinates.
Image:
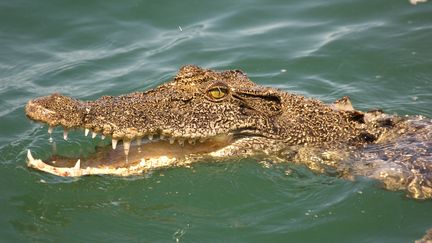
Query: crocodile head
(200, 113)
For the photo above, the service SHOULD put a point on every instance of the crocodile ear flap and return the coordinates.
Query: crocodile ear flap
(264, 101)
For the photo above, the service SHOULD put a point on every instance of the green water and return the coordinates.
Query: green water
(377, 52)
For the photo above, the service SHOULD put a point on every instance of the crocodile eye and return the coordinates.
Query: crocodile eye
(217, 93)
(217, 90)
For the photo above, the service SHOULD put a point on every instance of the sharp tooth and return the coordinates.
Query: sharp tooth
(191, 141)
(65, 134)
(102, 137)
(86, 132)
(29, 155)
(94, 134)
(126, 146)
(114, 143)
(138, 141)
(150, 136)
(171, 140)
(181, 142)
(77, 165)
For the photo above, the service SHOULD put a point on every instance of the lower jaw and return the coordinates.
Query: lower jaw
(129, 168)
(140, 159)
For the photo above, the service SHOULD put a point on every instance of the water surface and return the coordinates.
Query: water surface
(377, 52)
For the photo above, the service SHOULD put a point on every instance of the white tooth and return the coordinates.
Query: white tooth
(181, 142)
(114, 143)
(50, 130)
(150, 136)
(138, 141)
(191, 141)
(77, 165)
(29, 155)
(161, 137)
(102, 137)
(126, 146)
(94, 134)
(202, 140)
(86, 132)
(65, 134)
(171, 140)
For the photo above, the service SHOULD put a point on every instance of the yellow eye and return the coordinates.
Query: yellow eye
(217, 93)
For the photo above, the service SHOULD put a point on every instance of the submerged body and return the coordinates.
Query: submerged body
(209, 115)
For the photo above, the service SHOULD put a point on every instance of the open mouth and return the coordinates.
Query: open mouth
(199, 114)
(125, 158)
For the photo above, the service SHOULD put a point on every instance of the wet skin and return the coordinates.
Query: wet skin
(207, 115)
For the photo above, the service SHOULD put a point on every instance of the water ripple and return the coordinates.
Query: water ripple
(377, 52)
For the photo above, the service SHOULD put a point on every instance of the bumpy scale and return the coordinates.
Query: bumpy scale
(223, 115)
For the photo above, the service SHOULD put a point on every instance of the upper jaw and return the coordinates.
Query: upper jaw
(122, 118)
(57, 110)
(49, 111)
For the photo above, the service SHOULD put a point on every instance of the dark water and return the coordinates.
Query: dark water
(377, 52)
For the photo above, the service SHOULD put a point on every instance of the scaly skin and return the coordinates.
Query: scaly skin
(222, 115)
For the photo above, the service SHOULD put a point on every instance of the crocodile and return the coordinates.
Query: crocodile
(208, 115)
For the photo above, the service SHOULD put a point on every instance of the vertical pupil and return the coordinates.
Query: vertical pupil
(217, 93)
